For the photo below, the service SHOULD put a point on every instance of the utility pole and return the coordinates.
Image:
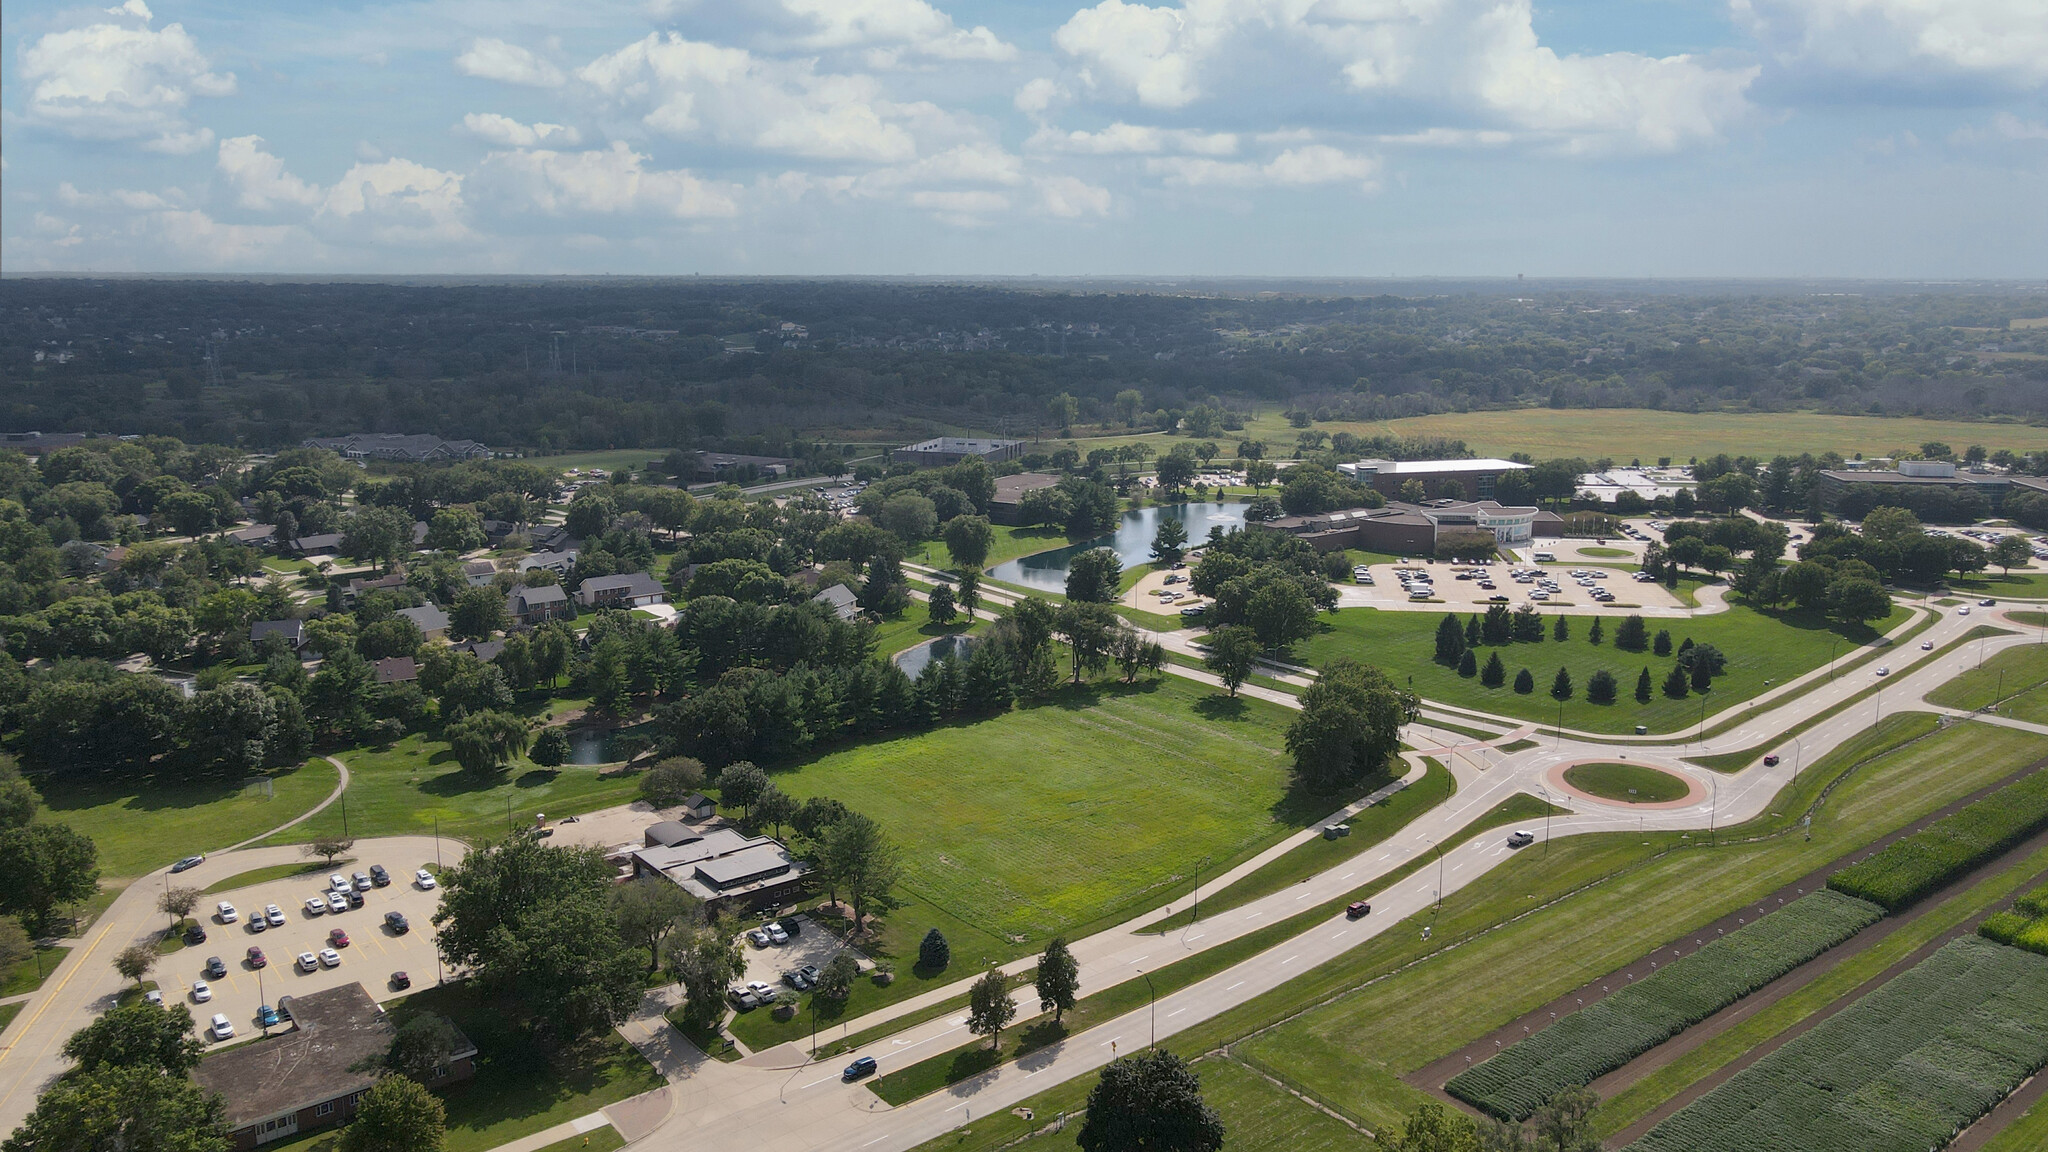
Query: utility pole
(1155, 1005)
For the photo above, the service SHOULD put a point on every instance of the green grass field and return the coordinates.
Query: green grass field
(1076, 811)
(28, 975)
(275, 872)
(1760, 648)
(1628, 783)
(141, 823)
(404, 788)
(2006, 676)
(2013, 586)
(1010, 544)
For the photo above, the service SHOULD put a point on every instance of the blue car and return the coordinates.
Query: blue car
(865, 1066)
(267, 1017)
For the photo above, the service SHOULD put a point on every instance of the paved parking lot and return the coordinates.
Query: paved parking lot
(374, 952)
(813, 947)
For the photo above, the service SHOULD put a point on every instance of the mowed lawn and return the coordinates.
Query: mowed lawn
(1759, 648)
(144, 822)
(2014, 676)
(404, 788)
(1076, 811)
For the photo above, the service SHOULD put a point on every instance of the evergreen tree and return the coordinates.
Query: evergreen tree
(1524, 683)
(1643, 686)
(1450, 640)
(1702, 676)
(934, 953)
(1562, 630)
(1467, 665)
(1561, 685)
(1499, 625)
(1528, 625)
(1595, 633)
(1632, 635)
(1675, 685)
(1495, 673)
(1473, 632)
(1663, 645)
(1600, 688)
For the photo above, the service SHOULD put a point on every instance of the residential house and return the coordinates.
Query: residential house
(484, 650)
(255, 535)
(841, 600)
(534, 605)
(632, 590)
(557, 562)
(318, 544)
(396, 670)
(314, 1075)
(358, 585)
(479, 572)
(432, 621)
(293, 632)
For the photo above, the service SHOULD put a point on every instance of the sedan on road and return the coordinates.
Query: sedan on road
(1520, 839)
(865, 1066)
(188, 863)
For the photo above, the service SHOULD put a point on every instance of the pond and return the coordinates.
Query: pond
(594, 747)
(913, 661)
(1132, 542)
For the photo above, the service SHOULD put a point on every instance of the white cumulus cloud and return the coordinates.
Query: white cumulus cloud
(122, 81)
(1121, 138)
(490, 59)
(1306, 166)
(1459, 60)
(603, 181)
(693, 89)
(1070, 196)
(2005, 41)
(509, 133)
(399, 201)
(259, 178)
(910, 26)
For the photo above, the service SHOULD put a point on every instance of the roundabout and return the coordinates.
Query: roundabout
(1622, 782)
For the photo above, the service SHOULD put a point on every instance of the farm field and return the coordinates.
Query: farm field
(144, 824)
(1759, 648)
(1627, 894)
(1898, 1071)
(1589, 1043)
(404, 788)
(1910, 868)
(1075, 811)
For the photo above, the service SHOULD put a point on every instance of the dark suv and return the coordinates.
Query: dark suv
(379, 877)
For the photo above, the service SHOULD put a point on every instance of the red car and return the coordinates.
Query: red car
(338, 938)
(256, 957)
(1771, 761)
(400, 980)
(1357, 909)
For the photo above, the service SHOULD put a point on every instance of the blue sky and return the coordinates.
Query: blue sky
(1879, 138)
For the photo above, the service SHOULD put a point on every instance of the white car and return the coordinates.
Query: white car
(1963, 611)
(308, 962)
(221, 1027)
(201, 992)
(1927, 645)
(154, 997)
(778, 934)
(273, 915)
(316, 905)
(329, 958)
(337, 881)
(1884, 670)
(226, 912)
(425, 878)
(337, 903)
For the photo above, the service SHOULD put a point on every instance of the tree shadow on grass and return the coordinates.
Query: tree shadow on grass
(537, 778)
(460, 783)
(1039, 1036)
(972, 1062)
(152, 792)
(1220, 708)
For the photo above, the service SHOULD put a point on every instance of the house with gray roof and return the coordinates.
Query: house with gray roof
(632, 590)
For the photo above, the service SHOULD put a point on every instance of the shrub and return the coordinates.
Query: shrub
(934, 953)
(1910, 868)
(1900, 1070)
(1608, 1033)
(1600, 688)
(1468, 666)
(1524, 683)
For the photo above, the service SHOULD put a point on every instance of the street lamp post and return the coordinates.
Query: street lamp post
(1154, 992)
(1796, 757)
(1197, 915)
(1439, 880)
(1547, 806)
(1831, 658)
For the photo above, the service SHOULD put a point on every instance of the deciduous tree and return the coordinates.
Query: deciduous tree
(989, 1007)
(1059, 979)
(397, 1114)
(1233, 651)
(1151, 1101)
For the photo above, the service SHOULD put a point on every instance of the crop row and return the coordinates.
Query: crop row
(1609, 1033)
(1901, 1070)
(1910, 868)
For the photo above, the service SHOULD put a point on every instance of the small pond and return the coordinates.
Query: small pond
(913, 661)
(594, 747)
(1132, 542)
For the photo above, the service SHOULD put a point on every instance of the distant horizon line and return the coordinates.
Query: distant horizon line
(1496, 280)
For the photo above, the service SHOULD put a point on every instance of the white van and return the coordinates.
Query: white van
(1546, 557)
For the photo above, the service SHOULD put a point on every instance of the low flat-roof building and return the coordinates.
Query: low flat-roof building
(941, 450)
(1931, 488)
(738, 467)
(1010, 490)
(416, 449)
(1440, 479)
(1411, 529)
(312, 1076)
(723, 867)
